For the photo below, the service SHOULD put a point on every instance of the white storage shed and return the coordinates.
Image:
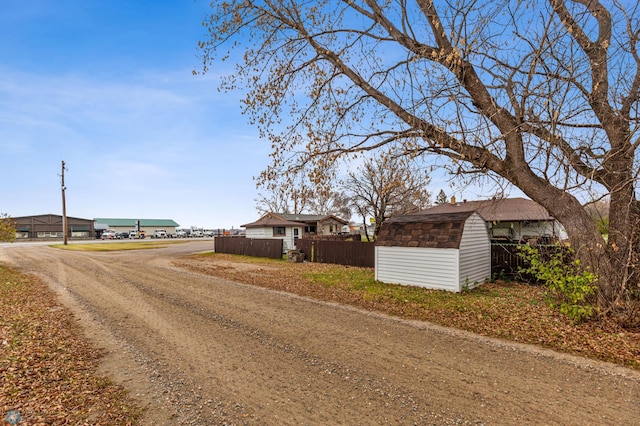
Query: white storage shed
(440, 251)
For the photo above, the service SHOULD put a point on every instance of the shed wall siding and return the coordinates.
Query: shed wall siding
(423, 267)
(475, 253)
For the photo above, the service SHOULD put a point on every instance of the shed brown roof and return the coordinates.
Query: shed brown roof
(499, 210)
(423, 230)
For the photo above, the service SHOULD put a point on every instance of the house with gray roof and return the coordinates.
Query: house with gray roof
(510, 219)
(290, 227)
(317, 224)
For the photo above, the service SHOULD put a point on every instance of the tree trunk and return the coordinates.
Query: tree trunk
(590, 246)
(366, 232)
(614, 260)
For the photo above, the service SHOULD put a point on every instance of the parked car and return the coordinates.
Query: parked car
(109, 234)
(159, 233)
(122, 235)
(133, 234)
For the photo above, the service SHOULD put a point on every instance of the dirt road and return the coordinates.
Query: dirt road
(199, 350)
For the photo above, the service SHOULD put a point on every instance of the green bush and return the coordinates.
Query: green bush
(569, 286)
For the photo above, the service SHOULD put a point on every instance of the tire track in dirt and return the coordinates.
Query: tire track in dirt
(276, 357)
(207, 350)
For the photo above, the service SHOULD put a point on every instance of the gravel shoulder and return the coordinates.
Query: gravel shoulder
(196, 349)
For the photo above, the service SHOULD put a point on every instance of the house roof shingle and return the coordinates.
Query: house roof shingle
(499, 210)
(311, 217)
(286, 219)
(271, 219)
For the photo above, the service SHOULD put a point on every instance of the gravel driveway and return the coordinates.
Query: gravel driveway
(195, 349)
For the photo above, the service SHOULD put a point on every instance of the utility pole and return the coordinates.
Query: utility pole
(64, 206)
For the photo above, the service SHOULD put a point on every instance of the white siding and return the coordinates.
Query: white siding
(475, 253)
(423, 267)
(288, 243)
(526, 229)
(259, 233)
(559, 231)
(267, 232)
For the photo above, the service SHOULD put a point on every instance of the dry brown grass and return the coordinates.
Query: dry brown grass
(48, 370)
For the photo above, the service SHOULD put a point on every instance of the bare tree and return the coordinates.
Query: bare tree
(385, 187)
(270, 202)
(298, 195)
(332, 203)
(542, 94)
(280, 196)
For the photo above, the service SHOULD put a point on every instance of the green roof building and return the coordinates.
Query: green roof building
(149, 226)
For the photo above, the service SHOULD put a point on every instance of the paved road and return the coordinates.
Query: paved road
(200, 350)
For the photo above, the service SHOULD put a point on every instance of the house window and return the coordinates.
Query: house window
(279, 231)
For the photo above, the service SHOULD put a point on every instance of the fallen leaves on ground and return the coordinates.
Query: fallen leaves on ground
(47, 368)
(507, 310)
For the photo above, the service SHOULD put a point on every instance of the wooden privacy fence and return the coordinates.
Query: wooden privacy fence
(352, 253)
(258, 247)
(506, 262)
(504, 257)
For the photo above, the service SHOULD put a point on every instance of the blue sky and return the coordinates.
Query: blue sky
(107, 86)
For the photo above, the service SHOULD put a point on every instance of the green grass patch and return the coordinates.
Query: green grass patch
(242, 258)
(362, 280)
(349, 278)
